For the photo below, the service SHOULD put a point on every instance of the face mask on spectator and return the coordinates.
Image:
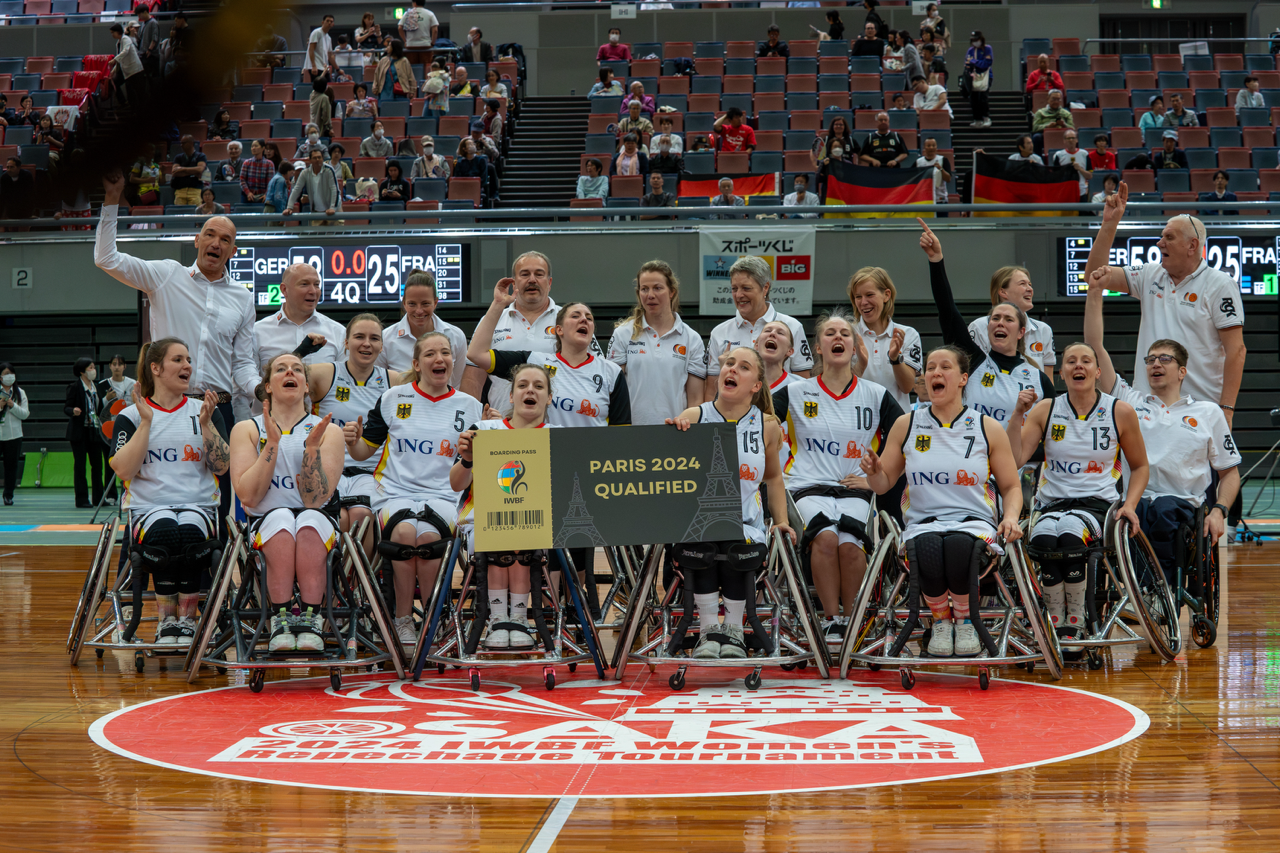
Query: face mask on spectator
(428, 150)
(613, 38)
(9, 379)
(313, 137)
(664, 147)
(800, 188)
(837, 151)
(91, 374)
(378, 132)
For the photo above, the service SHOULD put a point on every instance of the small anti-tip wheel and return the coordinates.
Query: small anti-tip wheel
(984, 680)
(100, 653)
(908, 679)
(804, 664)
(1095, 660)
(475, 680)
(676, 681)
(440, 668)
(222, 670)
(549, 678)
(1029, 666)
(1203, 632)
(573, 667)
(335, 679)
(787, 667)
(257, 679)
(752, 681)
(873, 667)
(139, 661)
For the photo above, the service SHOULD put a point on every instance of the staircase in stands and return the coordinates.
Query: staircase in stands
(543, 160)
(1008, 121)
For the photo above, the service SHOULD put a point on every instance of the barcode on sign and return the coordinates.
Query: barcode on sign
(516, 518)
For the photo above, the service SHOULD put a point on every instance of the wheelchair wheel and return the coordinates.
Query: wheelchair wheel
(1149, 593)
(1203, 632)
(335, 678)
(1033, 607)
(882, 570)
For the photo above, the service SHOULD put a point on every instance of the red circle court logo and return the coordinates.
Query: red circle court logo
(610, 739)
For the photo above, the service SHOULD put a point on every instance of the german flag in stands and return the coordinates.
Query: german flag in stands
(849, 184)
(997, 180)
(704, 189)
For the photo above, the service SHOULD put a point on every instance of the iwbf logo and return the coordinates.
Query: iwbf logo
(617, 739)
(511, 477)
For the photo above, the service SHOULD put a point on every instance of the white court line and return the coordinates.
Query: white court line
(547, 835)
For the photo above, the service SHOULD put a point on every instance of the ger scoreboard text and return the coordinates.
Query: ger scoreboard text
(1253, 260)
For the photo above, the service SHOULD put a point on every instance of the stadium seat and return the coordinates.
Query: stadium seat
(1254, 117)
(943, 137)
(1104, 62)
(1231, 79)
(1036, 46)
(769, 102)
(1203, 80)
(708, 49)
(704, 103)
(797, 161)
(802, 83)
(705, 85)
(1222, 117)
(1166, 62)
(1117, 118)
(893, 82)
(269, 110)
(700, 162)
(1139, 180)
(799, 140)
(769, 140)
(670, 85)
(1135, 62)
(803, 47)
(1201, 158)
(740, 50)
(1197, 62)
(733, 162)
(1108, 79)
(465, 189)
(1078, 79)
(425, 204)
(1209, 98)
(645, 49)
(39, 64)
(1238, 180)
(833, 82)
(1113, 99)
(763, 162)
(677, 50)
(1228, 61)
(1265, 158)
(741, 101)
(711, 67)
(601, 143)
(739, 85)
(772, 120)
(1256, 62)
(626, 186)
(771, 83)
(1172, 79)
(1140, 79)
(833, 100)
(1179, 197)
(774, 66)
(1269, 181)
(902, 119)
(1234, 158)
(806, 120)
(610, 104)
(646, 67)
(864, 82)
(1173, 181)
(802, 101)
(1066, 46)
(833, 47)
(833, 65)
(1074, 64)
(698, 122)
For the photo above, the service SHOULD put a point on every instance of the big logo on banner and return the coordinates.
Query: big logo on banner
(612, 739)
(788, 251)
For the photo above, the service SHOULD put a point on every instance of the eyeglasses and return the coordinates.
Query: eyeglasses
(1163, 358)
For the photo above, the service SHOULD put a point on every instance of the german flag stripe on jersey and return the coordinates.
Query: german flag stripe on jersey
(849, 184)
(997, 180)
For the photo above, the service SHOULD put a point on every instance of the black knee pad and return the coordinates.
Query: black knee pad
(966, 556)
(744, 556)
(198, 555)
(531, 559)
(426, 514)
(397, 551)
(694, 556)
(926, 554)
(816, 525)
(159, 554)
(856, 529)
(1073, 563)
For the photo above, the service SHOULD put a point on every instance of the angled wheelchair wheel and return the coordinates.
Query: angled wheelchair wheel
(882, 569)
(1149, 594)
(92, 589)
(1034, 610)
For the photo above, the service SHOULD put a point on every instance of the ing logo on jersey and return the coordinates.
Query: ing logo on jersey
(1058, 432)
(746, 472)
(190, 454)
(988, 380)
(852, 452)
(966, 478)
(403, 410)
(511, 477)
(341, 394)
(922, 443)
(446, 449)
(810, 409)
(585, 408)
(1094, 467)
(1190, 421)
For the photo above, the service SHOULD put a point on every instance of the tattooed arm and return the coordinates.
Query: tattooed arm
(322, 458)
(217, 455)
(253, 457)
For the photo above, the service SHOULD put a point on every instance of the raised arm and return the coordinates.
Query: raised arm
(1026, 433)
(777, 488)
(482, 338)
(1100, 253)
(135, 272)
(1093, 326)
(954, 329)
(251, 468)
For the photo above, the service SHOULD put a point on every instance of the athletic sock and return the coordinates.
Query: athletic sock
(188, 603)
(520, 608)
(708, 607)
(1075, 600)
(497, 605)
(734, 611)
(1055, 601)
(960, 607)
(167, 605)
(939, 606)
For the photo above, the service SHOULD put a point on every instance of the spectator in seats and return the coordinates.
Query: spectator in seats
(1042, 78)
(477, 50)
(675, 144)
(470, 163)
(493, 86)
(835, 26)
(934, 30)
(667, 159)
(46, 134)
(631, 160)
(14, 409)
(869, 44)
(312, 134)
(484, 144)
(1109, 185)
(461, 86)
(929, 97)
(593, 184)
(1155, 117)
(230, 168)
(899, 102)
(126, 68)
(256, 173)
(1169, 155)
(271, 152)
(657, 197)
(873, 17)
(1249, 96)
(647, 105)
(1073, 155)
(368, 36)
(606, 87)
(728, 199)
(911, 61)
(321, 104)
(338, 164)
(1101, 157)
(942, 171)
(772, 46)
(935, 67)
(376, 144)
(1179, 115)
(17, 191)
(430, 165)
(148, 40)
(893, 55)
(320, 55)
(1220, 193)
(635, 122)
(394, 187)
(146, 177)
(419, 30)
(361, 105)
(347, 56)
(801, 198)
(885, 147)
(393, 77)
(436, 90)
(1026, 150)
(276, 197)
(701, 143)
(222, 128)
(186, 176)
(273, 48)
(837, 145)
(208, 206)
(614, 50)
(84, 432)
(975, 80)
(8, 115)
(1052, 114)
(734, 133)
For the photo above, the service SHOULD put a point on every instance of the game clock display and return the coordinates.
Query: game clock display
(354, 276)
(1252, 259)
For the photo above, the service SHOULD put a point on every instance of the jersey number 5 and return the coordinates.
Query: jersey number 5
(459, 423)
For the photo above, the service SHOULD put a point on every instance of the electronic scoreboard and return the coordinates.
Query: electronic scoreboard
(1251, 258)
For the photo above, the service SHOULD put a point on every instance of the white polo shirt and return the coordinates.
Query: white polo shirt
(1184, 442)
(879, 370)
(1039, 340)
(1192, 313)
(276, 333)
(515, 332)
(737, 332)
(398, 342)
(319, 46)
(658, 366)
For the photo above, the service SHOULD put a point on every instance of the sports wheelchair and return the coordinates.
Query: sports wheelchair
(233, 630)
(1198, 579)
(108, 618)
(1007, 612)
(1127, 585)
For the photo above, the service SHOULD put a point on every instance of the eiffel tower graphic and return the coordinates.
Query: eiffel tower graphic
(577, 523)
(720, 506)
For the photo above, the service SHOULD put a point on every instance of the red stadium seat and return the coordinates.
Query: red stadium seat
(733, 162)
(1228, 62)
(1203, 80)
(1269, 180)
(56, 80)
(773, 66)
(1087, 117)
(287, 147)
(1220, 117)
(646, 67)
(148, 210)
(454, 126)
(300, 110)
(673, 85)
(585, 203)
(1039, 100)
(1127, 137)
(1104, 62)
(1235, 158)
(740, 50)
(838, 100)
(465, 189)
(39, 64)
(864, 119)
(199, 130)
(214, 149)
(1139, 180)
(1140, 79)
(864, 82)
(241, 112)
(1112, 99)
(255, 76)
(739, 84)
(710, 66)
(704, 103)
(769, 140)
(1179, 197)
(420, 204)
(1202, 180)
(1066, 47)
(677, 50)
(802, 82)
(1193, 137)
(355, 207)
(806, 120)
(1078, 79)
(1258, 137)
(601, 123)
(769, 102)
(797, 161)
(833, 65)
(1251, 195)
(255, 129)
(1166, 62)
(369, 167)
(1053, 138)
(626, 186)
(803, 48)
(283, 92)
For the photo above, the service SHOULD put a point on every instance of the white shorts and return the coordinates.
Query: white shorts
(357, 486)
(1071, 522)
(282, 520)
(856, 508)
(984, 530)
(197, 516)
(447, 510)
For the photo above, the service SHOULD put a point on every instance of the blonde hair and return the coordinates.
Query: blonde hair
(360, 318)
(880, 278)
(1000, 280)
(560, 315)
(411, 375)
(636, 317)
(841, 314)
(762, 399)
(1022, 324)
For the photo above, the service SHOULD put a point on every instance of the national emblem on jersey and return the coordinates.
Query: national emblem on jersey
(988, 380)
(551, 369)
(922, 443)
(1058, 432)
(810, 409)
(403, 410)
(341, 394)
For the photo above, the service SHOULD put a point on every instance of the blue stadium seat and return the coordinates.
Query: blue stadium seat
(705, 85)
(650, 84)
(773, 120)
(833, 82)
(1073, 63)
(708, 50)
(421, 126)
(1201, 158)
(1099, 176)
(1197, 62)
(286, 128)
(399, 108)
(1124, 155)
(362, 127)
(698, 122)
(766, 161)
(179, 209)
(226, 192)
(1238, 180)
(268, 110)
(466, 105)
(601, 143)
(1255, 117)
(741, 100)
(12, 65)
(18, 135)
(1271, 97)
(1141, 98)
(1225, 137)
(1115, 117)
(680, 103)
(1266, 158)
(833, 47)
(798, 140)
(893, 82)
(700, 162)
(1153, 137)
(44, 98)
(943, 137)
(864, 65)
(802, 65)
(1173, 181)
(1109, 80)
(38, 155)
(610, 104)
(31, 82)
(619, 67)
(1036, 46)
(903, 119)
(740, 67)
(1259, 62)
(250, 208)
(301, 91)
(1172, 80)
(645, 49)
(1088, 97)
(802, 101)
(1135, 62)
(286, 75)
(1206, 98)
(771, 83)
(1232, 79)
(64, 64)
(435, 189)
(250, 94)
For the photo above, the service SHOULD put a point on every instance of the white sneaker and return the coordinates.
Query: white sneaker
(966, 642)
(168, 632)
(734, 645)
(309, 629)
(976, 123)
(499, 638)
(404, 631)
(186, 631)
(942, 643)
(282, 639)
(708, 647)
(520, 639)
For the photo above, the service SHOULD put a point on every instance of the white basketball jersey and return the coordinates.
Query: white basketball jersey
(751, 459)
(829, 432)
(1081, 452)
(784, 451)
(419, 438)
(581, 395)
(348, 399)
(947, 469)
(173, 472)
(993, 393)
(283, 491)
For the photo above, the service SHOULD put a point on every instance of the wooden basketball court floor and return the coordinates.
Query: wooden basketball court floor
(1204, 777)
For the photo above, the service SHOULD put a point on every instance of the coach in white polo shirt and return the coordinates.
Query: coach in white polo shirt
(418, 303)
(750, 279)
(1183, 300)
(297, 318)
